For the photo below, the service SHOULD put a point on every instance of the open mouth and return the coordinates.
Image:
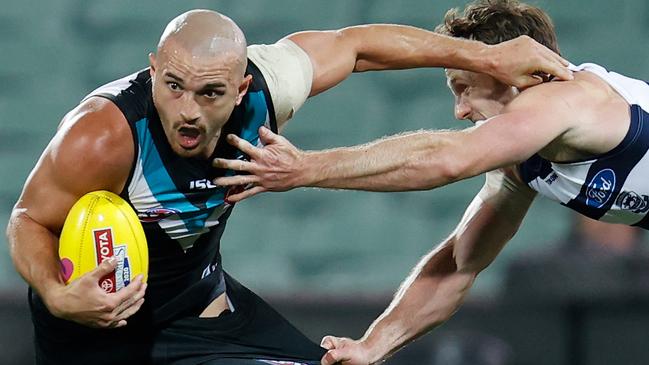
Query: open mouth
(189, 137)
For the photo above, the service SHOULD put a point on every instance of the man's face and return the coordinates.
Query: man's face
(194, 97)
(478, 96)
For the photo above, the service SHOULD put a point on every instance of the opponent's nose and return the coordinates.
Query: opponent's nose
(462, 109)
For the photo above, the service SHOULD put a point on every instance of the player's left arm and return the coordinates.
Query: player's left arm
(415, 160)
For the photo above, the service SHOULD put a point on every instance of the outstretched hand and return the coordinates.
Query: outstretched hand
(274, 167)
(522, 62)
(345, 351)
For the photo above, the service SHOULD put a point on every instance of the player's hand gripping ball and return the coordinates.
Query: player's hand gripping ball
(99, 226)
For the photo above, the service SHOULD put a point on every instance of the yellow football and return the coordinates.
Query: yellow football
(101, 225)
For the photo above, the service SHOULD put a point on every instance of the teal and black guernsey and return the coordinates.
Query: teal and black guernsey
(183, 213)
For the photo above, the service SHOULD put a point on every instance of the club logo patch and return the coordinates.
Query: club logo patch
(156, 214)
(600, 188)
(630, 200)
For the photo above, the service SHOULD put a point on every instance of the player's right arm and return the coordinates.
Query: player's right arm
(92, 150)
(439, 283)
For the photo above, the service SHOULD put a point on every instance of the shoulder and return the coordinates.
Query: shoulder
(562, 96)
(94, 142)
(92, 150)
(288, 73)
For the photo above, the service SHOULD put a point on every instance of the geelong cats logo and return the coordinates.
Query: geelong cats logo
(629, 200)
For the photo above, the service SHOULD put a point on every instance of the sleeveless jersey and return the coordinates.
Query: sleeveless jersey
(613, 187)
(183, 214)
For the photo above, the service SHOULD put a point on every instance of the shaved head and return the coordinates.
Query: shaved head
(204, 33)
(198, 78)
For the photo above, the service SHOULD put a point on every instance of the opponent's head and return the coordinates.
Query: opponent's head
(198, 79)
(479, 96)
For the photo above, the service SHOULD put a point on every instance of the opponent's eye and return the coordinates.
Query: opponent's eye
(458, 88)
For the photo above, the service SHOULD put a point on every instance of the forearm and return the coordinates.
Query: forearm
(387, 46)
(336, 54)
(432, 293)
(414, 161)
(33, 249)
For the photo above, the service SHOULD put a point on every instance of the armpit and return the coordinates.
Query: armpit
(507, 184)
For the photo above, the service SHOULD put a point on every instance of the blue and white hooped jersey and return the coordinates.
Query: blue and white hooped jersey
(614, 187)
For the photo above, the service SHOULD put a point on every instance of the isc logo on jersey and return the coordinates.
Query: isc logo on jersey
(99, 226)
(202, 184)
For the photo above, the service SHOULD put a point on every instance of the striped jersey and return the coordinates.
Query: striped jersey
(612, 187)
(182, 212)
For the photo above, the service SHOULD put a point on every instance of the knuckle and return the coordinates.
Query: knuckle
(109, 306)
(108, 317)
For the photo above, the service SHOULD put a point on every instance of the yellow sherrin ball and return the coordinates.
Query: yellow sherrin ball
(101, 225)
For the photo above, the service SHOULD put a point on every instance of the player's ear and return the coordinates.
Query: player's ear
(243, 88)
(152, 63)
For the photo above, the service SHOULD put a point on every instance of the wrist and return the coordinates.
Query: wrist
(309, 170)
(486, 59)
(52, 296)
(374, 351)
(470, 55)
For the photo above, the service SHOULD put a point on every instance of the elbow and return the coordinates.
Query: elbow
(451, 170)
(18, 221)
(12, 227)
(356, 40)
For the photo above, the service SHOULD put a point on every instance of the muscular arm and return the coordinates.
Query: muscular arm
(439, 283)
(415, 160)
(336, 54)
(92, 150)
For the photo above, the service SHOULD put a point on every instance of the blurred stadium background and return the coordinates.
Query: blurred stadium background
(330, 260)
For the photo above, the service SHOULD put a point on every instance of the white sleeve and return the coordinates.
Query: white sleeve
(288, 73)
